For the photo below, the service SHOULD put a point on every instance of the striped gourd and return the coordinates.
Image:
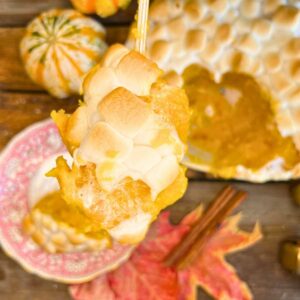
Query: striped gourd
(103, 8)
(59, 47)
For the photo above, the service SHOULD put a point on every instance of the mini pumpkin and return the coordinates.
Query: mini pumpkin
(59, 47)
(239, 64)
(103, 8)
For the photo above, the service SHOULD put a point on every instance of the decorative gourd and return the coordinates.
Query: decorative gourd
(240, 67)
(59, 47)
(103, 8)
(127, 139)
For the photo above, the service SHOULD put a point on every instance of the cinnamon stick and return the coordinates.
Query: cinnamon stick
(182, 248)
(209, 231)
(186, 251)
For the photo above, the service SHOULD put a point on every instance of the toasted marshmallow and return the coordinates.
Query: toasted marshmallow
(142, 159)
(104, 142)
(95, 87)
(137, 74)
(113, 56)
(124, 111)
(162, 175)
(134, 228)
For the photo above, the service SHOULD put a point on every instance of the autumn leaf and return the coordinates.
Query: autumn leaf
(212, 272)
(145, 277)
(98, 288)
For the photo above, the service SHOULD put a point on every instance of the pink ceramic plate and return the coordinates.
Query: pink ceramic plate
(18, 163)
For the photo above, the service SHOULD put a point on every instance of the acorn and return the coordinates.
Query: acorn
(295, 192)
(290, 256)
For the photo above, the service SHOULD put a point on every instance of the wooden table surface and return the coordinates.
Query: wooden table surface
(23, 103)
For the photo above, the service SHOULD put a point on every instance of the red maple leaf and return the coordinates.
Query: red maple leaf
(145, 277)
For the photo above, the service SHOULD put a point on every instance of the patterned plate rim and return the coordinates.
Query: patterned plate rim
(10, 252)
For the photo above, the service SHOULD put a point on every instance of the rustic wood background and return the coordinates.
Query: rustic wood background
(23, 103)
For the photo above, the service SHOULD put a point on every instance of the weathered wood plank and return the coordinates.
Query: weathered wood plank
(269, 203)
(20, 12)
(17, 111)
(12, 73)
(258, 266)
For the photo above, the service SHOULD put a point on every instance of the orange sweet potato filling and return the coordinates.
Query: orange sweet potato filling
(54, 206)
(233, 123)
